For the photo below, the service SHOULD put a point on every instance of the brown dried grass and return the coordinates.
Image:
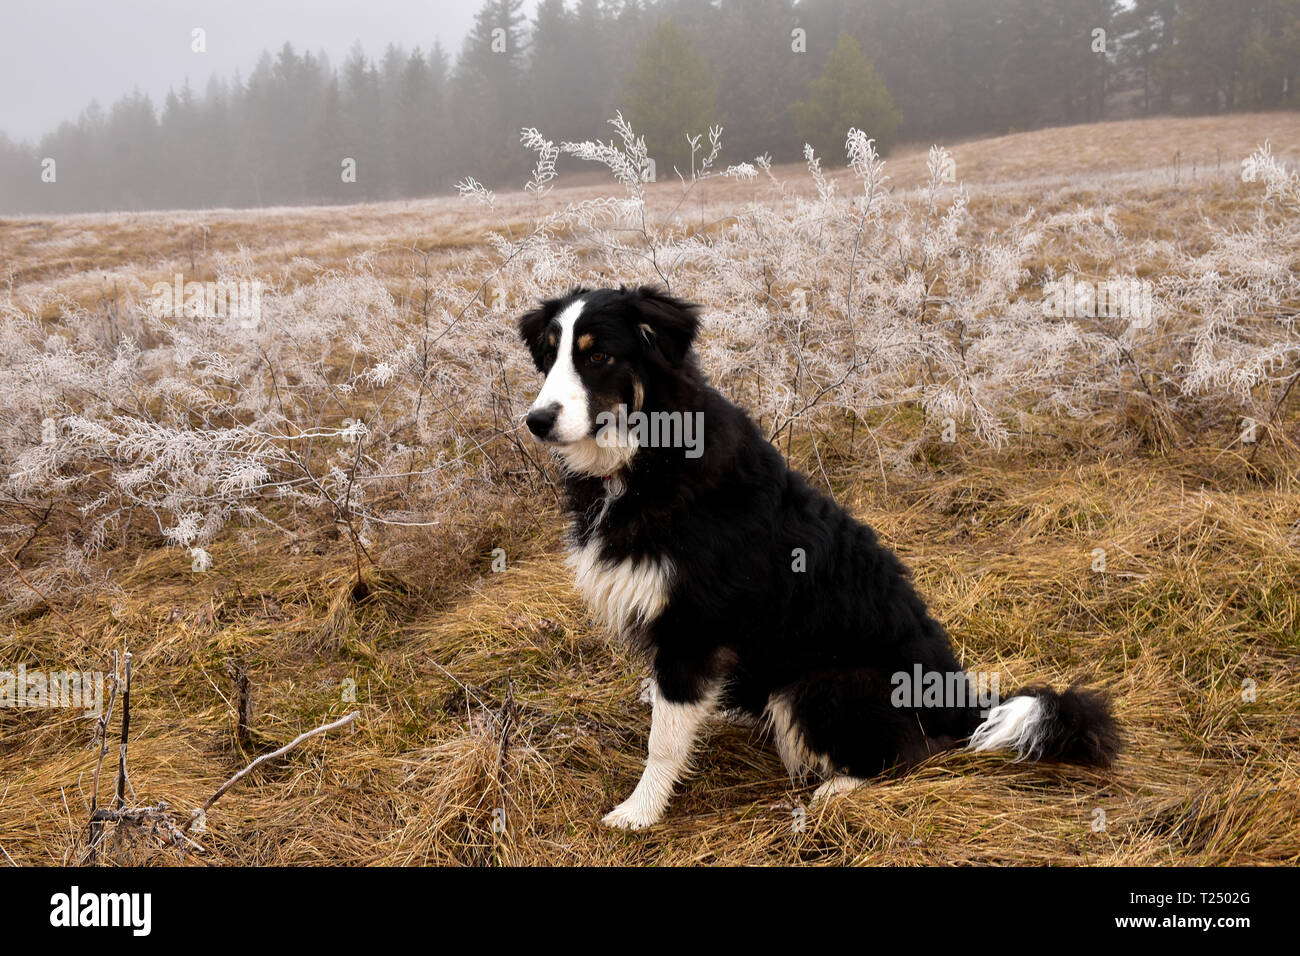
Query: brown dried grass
(1198, 596)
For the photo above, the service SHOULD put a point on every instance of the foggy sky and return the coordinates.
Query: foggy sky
(56, 55)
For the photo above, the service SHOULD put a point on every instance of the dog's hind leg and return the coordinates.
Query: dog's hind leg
(674, 728)
(843, 727)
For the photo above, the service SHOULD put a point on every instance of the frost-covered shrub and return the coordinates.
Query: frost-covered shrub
(372, 399)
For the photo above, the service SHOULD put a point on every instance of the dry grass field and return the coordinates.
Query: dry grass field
(483, 691)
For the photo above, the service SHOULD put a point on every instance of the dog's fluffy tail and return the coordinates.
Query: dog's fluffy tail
(1038, 723)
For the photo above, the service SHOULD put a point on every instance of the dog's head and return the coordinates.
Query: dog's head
(600, 349)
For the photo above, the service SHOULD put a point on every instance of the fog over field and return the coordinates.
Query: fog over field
(135, 105)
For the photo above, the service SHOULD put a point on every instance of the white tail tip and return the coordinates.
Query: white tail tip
(1010, 726)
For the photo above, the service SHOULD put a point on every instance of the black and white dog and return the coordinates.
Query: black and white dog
(744, 587)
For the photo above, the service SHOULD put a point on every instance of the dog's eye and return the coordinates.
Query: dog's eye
(598, 358)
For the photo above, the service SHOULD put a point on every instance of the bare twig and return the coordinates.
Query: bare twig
(100, 739)
(155, 820)
(203, 810)
(122, 783)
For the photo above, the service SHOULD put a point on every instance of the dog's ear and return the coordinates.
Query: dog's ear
(532, 328)
(666, 323)
(532, 325)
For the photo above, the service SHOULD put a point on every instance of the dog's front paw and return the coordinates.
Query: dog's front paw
(836, 786)
(630, 815)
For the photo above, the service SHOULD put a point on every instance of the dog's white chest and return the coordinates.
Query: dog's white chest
(623, 595)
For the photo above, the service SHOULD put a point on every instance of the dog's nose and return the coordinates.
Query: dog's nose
(540, 421)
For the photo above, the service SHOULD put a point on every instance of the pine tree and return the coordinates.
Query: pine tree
(669, 96)
(1271, 57)
(489, 99)
(910, 43)
(847, 94)
(760, 77)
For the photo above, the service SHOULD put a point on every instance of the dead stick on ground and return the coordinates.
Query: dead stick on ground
(507, 720)
(122, 782)
(203, 810)
(100, 739)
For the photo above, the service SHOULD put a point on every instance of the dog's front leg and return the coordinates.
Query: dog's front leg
(674, 727)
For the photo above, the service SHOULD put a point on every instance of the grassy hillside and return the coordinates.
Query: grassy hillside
(481, 690)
